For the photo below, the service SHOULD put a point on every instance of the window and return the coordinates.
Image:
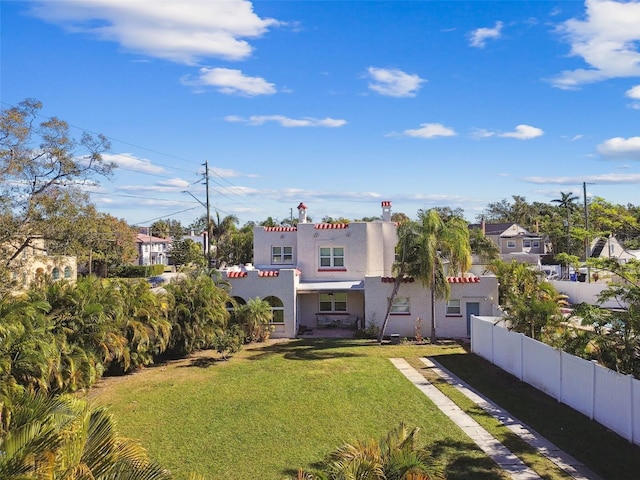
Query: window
(453, 307)
(401, 306)
(331, 257)
(536, 244)
(280, 255)
(277, 309)
(233, 305)
(333, 302)
(67, 272)
(55, 273)
(511, 244)
(526, 243)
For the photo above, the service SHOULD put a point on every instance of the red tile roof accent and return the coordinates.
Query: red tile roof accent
(302, 205)
(463, 279)
(386, 203)
(393, 279)
(328, 226)
(236, 274)
(280, 229)
(268, 273)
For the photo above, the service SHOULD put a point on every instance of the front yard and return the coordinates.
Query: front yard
(276, 407)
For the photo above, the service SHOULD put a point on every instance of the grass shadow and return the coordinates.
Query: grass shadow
(310, 349)
(460, 464)
(202, 362)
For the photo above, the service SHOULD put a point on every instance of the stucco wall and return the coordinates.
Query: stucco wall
(485, 293)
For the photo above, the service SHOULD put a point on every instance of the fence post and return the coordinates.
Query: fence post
(631, 411)
(522, 357)
(593, 391)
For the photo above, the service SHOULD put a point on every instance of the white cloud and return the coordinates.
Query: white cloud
(634, 92)
(481, 133)
(429, 130)
(619, 147)
(288, 122)
(393, 82)
(182, 31)
(128, 161)
(479, 37)
(176, 183)
(607, 178)
(607, 40)
(231, 82)
(523, 132)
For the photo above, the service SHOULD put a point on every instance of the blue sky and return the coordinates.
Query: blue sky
(337, 104)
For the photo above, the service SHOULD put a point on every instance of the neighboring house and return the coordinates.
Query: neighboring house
(610, 247)
(33, 262)
(340, 275)
(152, 250)
(514, 241)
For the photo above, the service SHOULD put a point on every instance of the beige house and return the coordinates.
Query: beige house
(514, 242)
(33, 263)
(319, 276)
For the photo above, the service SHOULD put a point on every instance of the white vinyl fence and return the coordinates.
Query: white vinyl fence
(599, 393)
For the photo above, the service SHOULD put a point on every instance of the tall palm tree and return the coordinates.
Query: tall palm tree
(567, 201)
(441, 248)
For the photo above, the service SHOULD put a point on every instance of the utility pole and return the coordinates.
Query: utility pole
(587, 242)
(206, 182)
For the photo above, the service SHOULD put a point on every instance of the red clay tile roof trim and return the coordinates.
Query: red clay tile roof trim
(328, 226)
(236, 274)
(268, 273)
(280, 229)
(449, 279)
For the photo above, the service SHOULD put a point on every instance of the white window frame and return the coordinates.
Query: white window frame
(511, 244)
(526, 243)
(336, 302)
(401, 306)
(454, 307)
(536, 244)
(331, 257)
(281, 255)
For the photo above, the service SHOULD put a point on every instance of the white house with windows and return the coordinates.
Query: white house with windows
(318, 276)
(152, 250)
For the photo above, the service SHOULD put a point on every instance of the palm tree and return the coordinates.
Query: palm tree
(395, 457)
(222, 231)
(568, 202)
(63, 438)
(441, 248)
(254, 317)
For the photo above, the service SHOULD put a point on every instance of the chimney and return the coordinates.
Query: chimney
(386, 211)
(302, 213)
(484, 227)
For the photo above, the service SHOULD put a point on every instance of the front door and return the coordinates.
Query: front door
(473, 308)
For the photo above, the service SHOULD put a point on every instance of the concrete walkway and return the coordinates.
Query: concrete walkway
(562, 459)
(509, 462)
(500, 454)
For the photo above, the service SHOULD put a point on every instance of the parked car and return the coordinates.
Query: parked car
(156, 281)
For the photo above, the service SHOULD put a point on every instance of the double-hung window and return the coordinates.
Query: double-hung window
(331, 257)
(453, 307)
(333, 302)
(401, 306)
(511, 244)
(281, 255)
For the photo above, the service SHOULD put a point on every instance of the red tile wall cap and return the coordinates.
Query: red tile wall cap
(393, 279)
(280, 229)
(463, 279)
(386, 203)
(268, 273)
(236, 274)
(328, 226)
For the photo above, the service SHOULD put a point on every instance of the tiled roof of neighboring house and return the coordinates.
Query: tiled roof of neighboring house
(142, 238)
(280, 229)
(328, 226)
(500, 228)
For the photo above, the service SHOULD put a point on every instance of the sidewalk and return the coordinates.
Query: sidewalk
(509, 462)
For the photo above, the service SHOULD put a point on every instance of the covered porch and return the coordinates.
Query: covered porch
(330, 308)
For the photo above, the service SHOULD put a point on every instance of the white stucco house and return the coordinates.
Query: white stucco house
(319, 275)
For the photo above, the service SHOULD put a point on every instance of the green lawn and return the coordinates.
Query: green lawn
(274, 408)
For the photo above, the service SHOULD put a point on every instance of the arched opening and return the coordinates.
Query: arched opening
(277, 308)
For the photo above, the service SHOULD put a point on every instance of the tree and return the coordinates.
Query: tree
(428, 250)
(567, 201)
(64, 438)
(482, 246)
(394, 457)
(166, 229)
(188, 252)
(41, 167)
(255, 317)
